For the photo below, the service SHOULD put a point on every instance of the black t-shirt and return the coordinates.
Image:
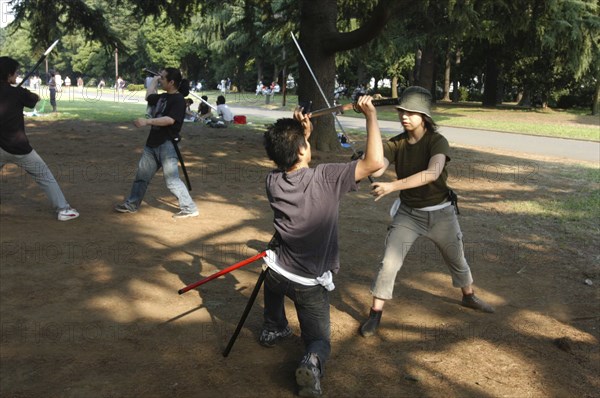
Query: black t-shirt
(12, 124)
(172, 105)
(306, 205)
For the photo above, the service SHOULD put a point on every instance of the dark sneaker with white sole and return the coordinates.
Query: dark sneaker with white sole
(269, 338)
(125, 208)
(308, 376)
(185, 214)
(474, 302)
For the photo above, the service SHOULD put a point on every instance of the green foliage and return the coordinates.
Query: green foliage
(541, 47)
(15, 44)
(135, 87)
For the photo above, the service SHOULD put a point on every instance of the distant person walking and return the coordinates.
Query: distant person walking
(52, 87)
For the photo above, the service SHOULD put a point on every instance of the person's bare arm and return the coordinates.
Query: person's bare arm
(159, 121)
(373, 160)
(433, 171)
(152, 87)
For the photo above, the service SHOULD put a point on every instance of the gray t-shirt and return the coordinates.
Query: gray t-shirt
(306, 205)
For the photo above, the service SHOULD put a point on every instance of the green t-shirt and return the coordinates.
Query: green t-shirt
(410, 159)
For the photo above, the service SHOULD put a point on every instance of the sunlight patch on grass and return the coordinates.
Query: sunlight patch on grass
(578, 206)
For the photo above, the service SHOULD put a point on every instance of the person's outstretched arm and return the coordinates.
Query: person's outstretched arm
(373, 159)
(429, 175)
(152, 87)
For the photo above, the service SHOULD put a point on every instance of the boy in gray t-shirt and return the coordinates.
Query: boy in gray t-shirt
(305, 203)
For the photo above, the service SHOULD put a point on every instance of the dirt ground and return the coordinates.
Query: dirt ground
(89, 307)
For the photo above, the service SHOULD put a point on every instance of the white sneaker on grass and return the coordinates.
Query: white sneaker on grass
(67, 214)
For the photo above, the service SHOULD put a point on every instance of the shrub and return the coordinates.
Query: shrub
(135, 87)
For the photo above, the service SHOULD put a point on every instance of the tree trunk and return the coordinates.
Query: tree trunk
(490, 88)
(259, 70)
(416, 77)
(519, 97)
(427, 70)
(319, 41)
(455, 82)
(525, 98)
(316, 23)
(446, 96)
(395, 87)
(596, 101)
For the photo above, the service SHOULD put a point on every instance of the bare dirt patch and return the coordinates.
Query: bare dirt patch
(90, 307)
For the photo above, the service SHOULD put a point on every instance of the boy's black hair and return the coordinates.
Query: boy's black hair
(220, 100)
(183, 85)
(8, 66)
(283, 140)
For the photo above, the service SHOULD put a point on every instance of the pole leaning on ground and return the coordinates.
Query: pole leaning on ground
(249, 305)
(39, 62)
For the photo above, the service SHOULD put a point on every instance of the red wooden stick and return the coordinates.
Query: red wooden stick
(224, 271)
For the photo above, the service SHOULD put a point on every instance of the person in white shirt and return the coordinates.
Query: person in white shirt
(223, 110)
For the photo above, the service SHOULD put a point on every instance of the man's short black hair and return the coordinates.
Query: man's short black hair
(8, 66)
(282, 142)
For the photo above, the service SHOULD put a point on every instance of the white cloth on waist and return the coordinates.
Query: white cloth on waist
(397, 202)
(325, 280)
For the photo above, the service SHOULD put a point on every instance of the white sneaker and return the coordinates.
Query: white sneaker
(185, 214)
(67, 214)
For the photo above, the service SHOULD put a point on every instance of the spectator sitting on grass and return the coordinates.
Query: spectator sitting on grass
(225, 116)
(204, 110)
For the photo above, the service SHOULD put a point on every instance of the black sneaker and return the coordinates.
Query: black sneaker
(472, 301)
(308, 376)
(269, 338)
(369, 327)
(125, 208)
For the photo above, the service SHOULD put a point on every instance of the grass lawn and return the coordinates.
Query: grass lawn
(574, 124)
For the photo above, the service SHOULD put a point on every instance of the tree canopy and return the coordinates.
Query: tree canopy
(535, 51)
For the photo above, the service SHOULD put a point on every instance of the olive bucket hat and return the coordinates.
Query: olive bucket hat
(416, 99)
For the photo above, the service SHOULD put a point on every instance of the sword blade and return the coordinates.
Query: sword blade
(333, 109)
(345, 107)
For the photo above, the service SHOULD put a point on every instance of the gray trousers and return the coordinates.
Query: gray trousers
(35, 166)
(440, 226)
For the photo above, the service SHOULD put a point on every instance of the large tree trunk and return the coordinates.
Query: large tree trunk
(447, 67)
(455, 82)
(596, 101)
(427, 70)
(415, 77)
(317, 23)
(319, 41)
(490, 88)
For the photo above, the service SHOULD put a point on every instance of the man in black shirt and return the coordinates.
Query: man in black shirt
(168, 111)
(14, 145)
(305, 203)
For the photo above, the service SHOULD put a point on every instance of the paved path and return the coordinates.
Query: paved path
(526, 144)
